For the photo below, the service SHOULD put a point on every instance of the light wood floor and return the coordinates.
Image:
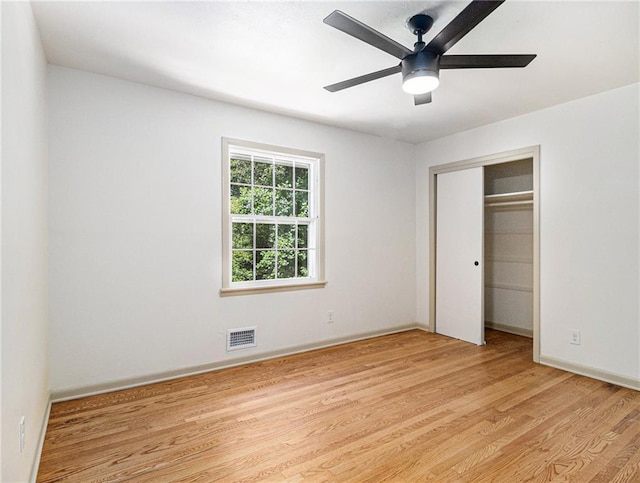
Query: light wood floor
(406, 407)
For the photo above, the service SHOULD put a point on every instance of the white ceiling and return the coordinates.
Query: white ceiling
(277, 56)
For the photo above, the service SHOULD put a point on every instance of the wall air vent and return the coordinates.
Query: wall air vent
(241, 338)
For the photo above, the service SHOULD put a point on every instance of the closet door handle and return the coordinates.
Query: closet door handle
(476, 263)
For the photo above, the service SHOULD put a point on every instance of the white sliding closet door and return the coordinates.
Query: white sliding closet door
(459, 255)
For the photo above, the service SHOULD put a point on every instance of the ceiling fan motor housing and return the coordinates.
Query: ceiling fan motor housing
(420, 63)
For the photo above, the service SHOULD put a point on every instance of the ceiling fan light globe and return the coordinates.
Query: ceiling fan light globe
(420, 72)
(420, 82)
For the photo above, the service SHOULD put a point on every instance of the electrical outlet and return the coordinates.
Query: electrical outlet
(21, 432)
(331, 317)
(574, 338)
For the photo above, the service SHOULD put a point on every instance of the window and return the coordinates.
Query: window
(272, 225)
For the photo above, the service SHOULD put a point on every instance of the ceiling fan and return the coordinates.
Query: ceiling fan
(420, 67)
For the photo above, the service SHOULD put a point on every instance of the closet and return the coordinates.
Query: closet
(484, 263)
(508, 247)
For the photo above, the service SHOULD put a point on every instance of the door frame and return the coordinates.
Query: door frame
(530, 152)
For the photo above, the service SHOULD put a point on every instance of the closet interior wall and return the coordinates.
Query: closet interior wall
(508, 232)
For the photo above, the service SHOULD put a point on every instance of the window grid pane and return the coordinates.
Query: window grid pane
(240, 169)
(242, 266)
(241, 202)
(242, 236)
(263, 173)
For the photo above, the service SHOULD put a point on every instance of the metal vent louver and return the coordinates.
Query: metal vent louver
(241, 338)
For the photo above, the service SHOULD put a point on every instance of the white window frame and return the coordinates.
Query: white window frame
(315, 220)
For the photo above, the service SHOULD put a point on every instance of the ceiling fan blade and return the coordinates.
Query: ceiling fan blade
(485, 61)
(364, 78)
(422, 98)
(357, 29)
(472, 15)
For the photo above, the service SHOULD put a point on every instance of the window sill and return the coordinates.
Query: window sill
(226, 292)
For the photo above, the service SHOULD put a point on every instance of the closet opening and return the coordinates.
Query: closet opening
(484, 247)
(508, 247)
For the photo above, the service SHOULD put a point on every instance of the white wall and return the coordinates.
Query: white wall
(24, 230)
(590, 218)
(135, 232)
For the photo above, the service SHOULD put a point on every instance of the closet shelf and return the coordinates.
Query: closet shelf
(510, 232)
(509, 199)
(510, 286)
(509, 259)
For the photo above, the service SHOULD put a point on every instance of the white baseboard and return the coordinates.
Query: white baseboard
(76, 393)
(43, 431)
(601, 375)
(79, 392)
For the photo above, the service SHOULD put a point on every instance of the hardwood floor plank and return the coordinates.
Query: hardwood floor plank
(620, 452)
(411, 406)
(630, 471)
